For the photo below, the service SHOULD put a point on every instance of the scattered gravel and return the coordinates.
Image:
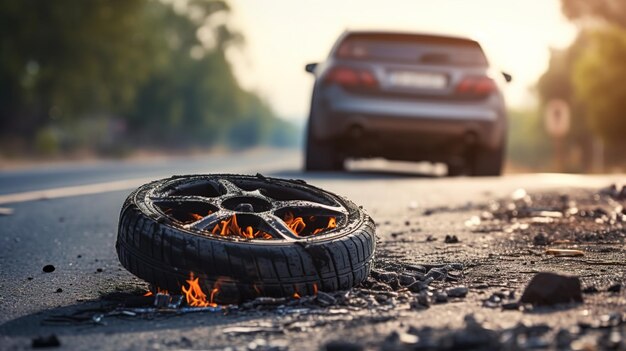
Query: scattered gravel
(459, 291)
(451, 239)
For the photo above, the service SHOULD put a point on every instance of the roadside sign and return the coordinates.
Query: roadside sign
(557, 118)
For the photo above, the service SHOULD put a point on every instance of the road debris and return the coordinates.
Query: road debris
(252, 330)
(340, 345)
(48, 268)
(565, 252)
(420, 301)
(540, 239)
(615, 191)
(615, 288)
(45, 342)
(458, 291)
(547, 289)
(440, 297)
(451, 239)
(590, 290)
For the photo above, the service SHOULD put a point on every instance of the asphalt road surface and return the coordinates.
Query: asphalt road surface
(66, 216)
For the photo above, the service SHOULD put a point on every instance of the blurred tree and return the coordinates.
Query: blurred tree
(588, 73)
(598, 72)
(611, 11)
(159, 65)
(193, 96)
(556, 83)
(61, 58)
(527, 140)
(598, 76)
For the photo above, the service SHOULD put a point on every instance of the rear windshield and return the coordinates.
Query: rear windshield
(411, 48)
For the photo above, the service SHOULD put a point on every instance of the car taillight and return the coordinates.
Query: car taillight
(351, 78)
(476, 86)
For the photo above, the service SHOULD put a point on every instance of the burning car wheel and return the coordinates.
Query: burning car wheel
(227, 238)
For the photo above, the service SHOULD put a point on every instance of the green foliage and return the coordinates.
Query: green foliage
(589, 75)
(47, 142)
(599, 76)
(160, 70)
(528, 144)
(556, 83)
(70, 56)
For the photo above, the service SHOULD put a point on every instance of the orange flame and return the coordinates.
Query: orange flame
(159, 291)
(214, 291)
(195, 296)
(197, 216)
(230, 227)
(296, 294)
(332, 223)
(296, 224)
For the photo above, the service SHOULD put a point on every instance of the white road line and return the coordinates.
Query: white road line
(5, 211)
(74, 190)
(89, 189)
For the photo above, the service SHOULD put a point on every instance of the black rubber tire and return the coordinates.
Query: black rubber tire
(488, 162)
(455, 170)
(154, 248)
(320, 156)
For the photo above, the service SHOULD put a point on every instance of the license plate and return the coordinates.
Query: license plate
(420, 80)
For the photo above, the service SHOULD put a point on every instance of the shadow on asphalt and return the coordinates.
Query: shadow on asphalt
(69, 320)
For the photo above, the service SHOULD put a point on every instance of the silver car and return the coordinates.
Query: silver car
(410, 97)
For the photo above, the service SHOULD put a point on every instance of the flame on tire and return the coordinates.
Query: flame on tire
(297, 225)
(194, 295)
(230, 227)
(159, 291)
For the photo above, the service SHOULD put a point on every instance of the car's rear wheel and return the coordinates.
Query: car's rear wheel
(455, 169)
(488, 162)
(321, 156)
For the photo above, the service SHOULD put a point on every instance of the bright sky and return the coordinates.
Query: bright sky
(283, 35)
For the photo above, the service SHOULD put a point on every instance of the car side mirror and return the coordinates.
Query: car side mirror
(507, 77)
(310, 67)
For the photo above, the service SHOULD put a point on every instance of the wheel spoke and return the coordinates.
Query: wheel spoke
(184, 199)
(231, 188)
(257, 193)
(279, 227)
(217, 213)
(209, 221)
(310, 207)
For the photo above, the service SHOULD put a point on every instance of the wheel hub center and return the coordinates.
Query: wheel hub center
(248, 204)
(244, 207)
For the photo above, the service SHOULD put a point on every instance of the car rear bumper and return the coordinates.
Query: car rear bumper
(339, 101)
(380, 127)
